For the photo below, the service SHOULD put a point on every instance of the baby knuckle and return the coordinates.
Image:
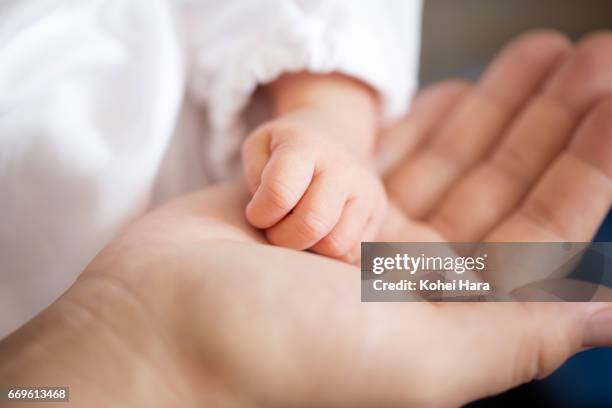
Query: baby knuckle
(254, 139)
(312, 226)
(341, 159)
(382, 201)
(247, 147)
(283, 134)
(335, 246)
(279, 195)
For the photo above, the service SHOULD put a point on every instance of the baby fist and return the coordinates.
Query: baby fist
(309, 192)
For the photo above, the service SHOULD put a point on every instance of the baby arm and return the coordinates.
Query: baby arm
(309, 168)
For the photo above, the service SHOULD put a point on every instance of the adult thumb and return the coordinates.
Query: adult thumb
(491, 347)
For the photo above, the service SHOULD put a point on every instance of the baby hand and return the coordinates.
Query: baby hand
(310, 191)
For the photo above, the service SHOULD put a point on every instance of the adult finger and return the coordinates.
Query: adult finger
(476, 124)
(429, 108)
(495, 187)
(573, 196)
(486, 348)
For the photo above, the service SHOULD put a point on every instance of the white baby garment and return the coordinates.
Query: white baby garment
(109, 107)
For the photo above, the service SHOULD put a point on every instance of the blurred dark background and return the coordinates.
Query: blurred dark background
(459, 38)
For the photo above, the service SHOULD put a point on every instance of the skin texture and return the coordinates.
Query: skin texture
(310, 168)
(190, 307)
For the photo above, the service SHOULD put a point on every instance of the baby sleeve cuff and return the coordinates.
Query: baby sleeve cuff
(332, 37)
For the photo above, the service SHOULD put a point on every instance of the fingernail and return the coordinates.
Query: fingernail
(598, 331)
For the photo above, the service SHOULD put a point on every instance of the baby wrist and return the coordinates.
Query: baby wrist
(333, 91)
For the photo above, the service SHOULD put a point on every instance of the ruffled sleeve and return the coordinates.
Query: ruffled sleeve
(239, 45)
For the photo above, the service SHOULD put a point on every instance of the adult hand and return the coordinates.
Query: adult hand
(523, 155)
(190, 307)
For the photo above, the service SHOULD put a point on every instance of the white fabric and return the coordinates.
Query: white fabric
(257, 40)
(96, 126)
